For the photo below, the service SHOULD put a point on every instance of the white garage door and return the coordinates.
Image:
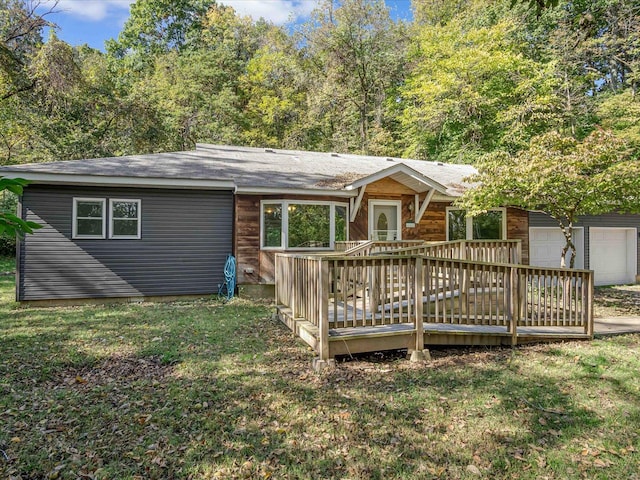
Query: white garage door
(612, 255)
(546, 244)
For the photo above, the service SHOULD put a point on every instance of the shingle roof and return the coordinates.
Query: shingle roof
(250, 167)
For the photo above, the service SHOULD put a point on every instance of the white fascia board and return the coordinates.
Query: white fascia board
(295, 191)
(400, 167)
(116, 181)
(440, 197)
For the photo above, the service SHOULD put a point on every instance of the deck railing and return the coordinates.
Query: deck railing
(338, 292)
(372, 247)
(481, 293)
(497, 251)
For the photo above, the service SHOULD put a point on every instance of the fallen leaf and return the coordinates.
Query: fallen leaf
(473, 470)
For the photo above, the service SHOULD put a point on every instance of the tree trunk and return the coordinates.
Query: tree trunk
(567, 231)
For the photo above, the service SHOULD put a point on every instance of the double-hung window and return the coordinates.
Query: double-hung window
(298, 224)
(125, 218)
(90, 218)
(490, 225)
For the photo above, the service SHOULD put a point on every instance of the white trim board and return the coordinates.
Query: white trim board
(397, 204)
(116, 181)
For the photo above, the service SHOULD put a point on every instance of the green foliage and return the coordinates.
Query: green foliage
(356, 55)
(20, 30)
(561, 177)
(473, 90)
(10, 224)
(158, 26)
(463, 80)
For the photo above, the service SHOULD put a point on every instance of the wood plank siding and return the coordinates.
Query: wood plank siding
(257, 266)
(185, 238)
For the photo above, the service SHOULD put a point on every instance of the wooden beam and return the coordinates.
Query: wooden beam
(355, 204)
(423, 207)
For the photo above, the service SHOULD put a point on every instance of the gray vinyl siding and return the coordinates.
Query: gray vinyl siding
(611, 220)
(185, 238)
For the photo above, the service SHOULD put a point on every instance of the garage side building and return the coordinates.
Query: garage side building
(101, 242)
(607, 244)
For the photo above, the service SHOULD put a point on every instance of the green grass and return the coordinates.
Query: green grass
(209, 390)
(7, 264)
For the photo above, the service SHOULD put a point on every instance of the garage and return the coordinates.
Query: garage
(612, 255)
(546, 244)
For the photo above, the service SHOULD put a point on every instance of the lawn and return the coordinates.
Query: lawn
(209, 390)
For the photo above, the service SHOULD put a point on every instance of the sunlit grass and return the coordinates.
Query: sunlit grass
(209, 390)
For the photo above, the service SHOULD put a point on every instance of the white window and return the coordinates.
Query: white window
(490, 225)
(302, 225)
(89, 218)
(125, 218)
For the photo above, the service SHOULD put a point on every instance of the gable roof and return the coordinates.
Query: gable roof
(249, 170)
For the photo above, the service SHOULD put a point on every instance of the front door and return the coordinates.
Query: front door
(384, 220)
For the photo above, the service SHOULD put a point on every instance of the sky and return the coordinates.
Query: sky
(94, 21)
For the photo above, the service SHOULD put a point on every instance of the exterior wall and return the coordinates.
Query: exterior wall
(431, 228)
(256, 266)
(186, 236)
(537, 219)
(518, 229)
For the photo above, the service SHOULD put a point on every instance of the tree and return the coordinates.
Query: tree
(276, 91)
(561, 177)
(472, 88)
(10, 224)
(356, 56)
(20, 37)
(159, 26)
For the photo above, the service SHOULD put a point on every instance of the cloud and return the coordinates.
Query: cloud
(276, 11)
(94, 10)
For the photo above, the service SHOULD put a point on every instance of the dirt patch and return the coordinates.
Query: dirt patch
(617, 301)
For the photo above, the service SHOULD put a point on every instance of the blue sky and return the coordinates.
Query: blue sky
(94, 21)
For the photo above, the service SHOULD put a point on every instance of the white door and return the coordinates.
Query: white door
(546, 244)
(612, 255)
(384, 220)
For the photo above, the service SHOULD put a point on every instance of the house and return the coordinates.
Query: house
(162, 225)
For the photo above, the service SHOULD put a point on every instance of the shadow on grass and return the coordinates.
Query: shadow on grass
(210, 391)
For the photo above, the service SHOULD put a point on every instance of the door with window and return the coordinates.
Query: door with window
(385, 220)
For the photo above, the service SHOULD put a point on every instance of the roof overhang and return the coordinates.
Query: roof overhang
(403, 174)
(296, 191)
(119, 181)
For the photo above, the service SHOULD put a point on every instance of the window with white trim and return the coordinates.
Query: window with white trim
(490, 225)
(89, 218)
(302, 225)
(125, 218)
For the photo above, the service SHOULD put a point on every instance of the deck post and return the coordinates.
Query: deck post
(323, 360)
(419, 354)
(588, 328)
(514, 300)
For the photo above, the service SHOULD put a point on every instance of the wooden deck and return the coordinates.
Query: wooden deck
(401, 298)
